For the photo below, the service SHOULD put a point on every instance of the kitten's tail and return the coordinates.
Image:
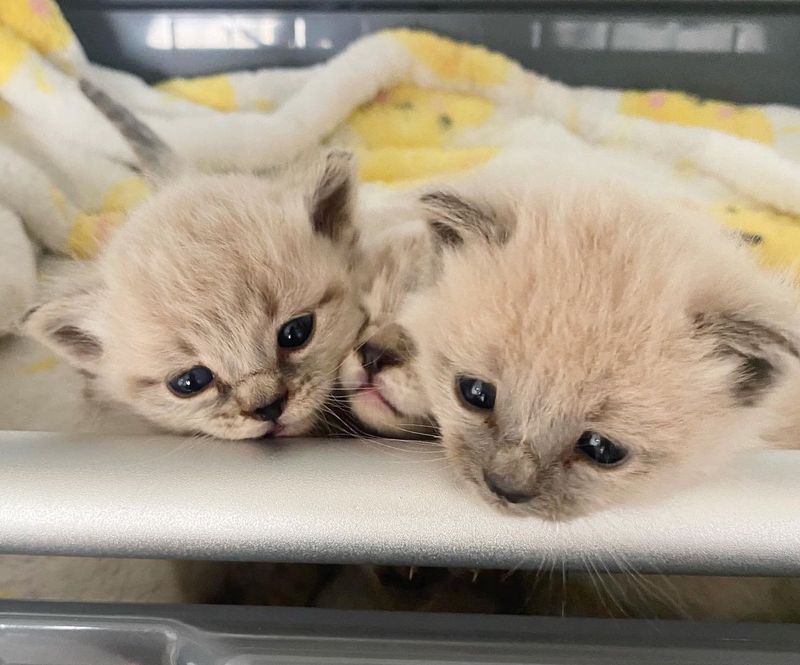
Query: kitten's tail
(156, 159)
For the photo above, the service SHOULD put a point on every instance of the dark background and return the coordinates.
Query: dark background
(740, 51)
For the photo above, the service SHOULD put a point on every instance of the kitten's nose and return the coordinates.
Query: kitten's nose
(271, 411)
(505, 489)
(374, 358)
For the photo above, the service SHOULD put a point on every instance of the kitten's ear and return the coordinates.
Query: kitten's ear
(333, 200)
(454, 220)
(156, 159)
(69, 325)
(760, 349)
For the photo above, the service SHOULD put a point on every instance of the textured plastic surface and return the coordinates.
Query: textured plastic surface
(739, 51)
(42, 635)
(357, 501)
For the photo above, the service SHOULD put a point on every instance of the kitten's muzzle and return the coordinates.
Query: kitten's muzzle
(506, 489)
(270, 411)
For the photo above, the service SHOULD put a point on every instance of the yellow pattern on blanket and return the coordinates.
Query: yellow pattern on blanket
(748, 122)
(407, 133)
(425, 107)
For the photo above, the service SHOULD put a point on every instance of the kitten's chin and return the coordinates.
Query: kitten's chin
(371, 401)
(543, 507)
(374, 410)
(283, 431)
(377, 415)
(243, 432)
(539, 508)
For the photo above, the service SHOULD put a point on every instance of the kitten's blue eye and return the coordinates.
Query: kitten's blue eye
(295, 333)
(599, 449)
(476, 393)
(191, 382)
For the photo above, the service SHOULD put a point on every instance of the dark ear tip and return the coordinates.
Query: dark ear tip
(436, 197)
(334, 196)
(339, 167)
(28, 314)
(341, 156)
(341, 153)
(445, 234)
(753, 344)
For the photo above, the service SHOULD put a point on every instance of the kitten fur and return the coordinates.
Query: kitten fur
(205, 273)
(397, 259)
(592, 309)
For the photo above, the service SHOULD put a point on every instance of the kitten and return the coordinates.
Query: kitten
(584, 347)
(385, 394)
(399, 259)
(225, 304)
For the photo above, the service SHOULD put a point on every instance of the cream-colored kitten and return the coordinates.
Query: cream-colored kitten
(399, 259)
(587, 347)
(380, 371)
(224, 305)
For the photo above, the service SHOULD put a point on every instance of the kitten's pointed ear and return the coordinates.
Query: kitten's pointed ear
(69, 326)
(455, 220)
(156, 159)
(333, 200)
(760, 350)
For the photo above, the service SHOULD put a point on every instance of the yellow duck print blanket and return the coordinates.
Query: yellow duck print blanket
(413, 105)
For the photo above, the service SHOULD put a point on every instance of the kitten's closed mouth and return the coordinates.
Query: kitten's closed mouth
(274, 432)
(374, 393)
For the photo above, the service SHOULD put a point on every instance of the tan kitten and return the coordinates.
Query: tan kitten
(587, 347)
(225, 305)
(399, 259)
(385, 392)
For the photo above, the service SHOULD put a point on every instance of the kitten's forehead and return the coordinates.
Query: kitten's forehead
(591, 281)
(215, 216)
(216, 234)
